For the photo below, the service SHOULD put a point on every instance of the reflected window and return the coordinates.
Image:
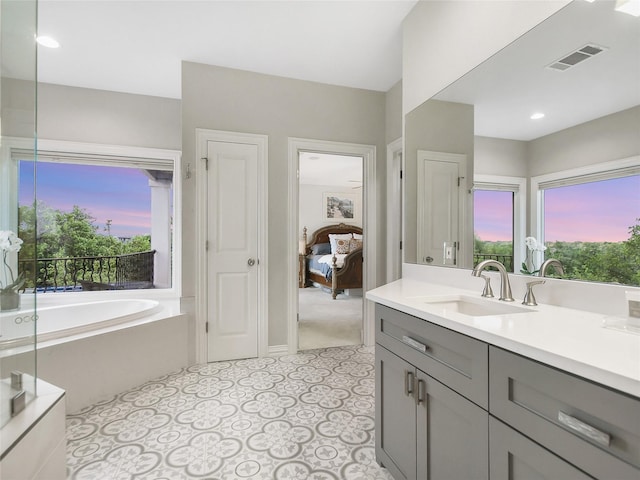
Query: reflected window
(101, 224)
(493, 217)
(593, 228)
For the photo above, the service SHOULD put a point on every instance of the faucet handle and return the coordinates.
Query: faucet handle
(529, 298)
(487, 291)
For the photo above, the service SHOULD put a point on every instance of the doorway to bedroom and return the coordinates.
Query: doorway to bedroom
(330, 219)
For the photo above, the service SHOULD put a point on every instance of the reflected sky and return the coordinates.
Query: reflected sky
(593, 212)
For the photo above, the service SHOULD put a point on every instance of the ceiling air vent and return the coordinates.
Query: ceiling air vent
(576, 57)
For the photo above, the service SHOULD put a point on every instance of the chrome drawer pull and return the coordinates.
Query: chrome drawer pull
(414, 343)
(408, 383)
(584, 429)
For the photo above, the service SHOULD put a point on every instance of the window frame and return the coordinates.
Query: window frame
(518, 186)
(111, 155)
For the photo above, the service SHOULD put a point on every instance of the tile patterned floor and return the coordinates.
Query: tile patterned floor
(305, 417)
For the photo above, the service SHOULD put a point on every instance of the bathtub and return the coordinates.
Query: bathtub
(55, 322)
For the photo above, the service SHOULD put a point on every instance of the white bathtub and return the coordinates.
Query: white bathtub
(54, 322)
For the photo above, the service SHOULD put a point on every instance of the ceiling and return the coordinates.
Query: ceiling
(509, 87)
(137, 46)
(328, 169)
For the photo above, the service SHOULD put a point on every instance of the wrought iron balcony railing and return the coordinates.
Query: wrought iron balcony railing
(506, 260)
(117, 272)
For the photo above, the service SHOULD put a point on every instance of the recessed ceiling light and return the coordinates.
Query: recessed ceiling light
(47, 41)
(632, 7)
(537, 116)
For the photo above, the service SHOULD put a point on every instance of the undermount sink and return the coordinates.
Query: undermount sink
(473, 307)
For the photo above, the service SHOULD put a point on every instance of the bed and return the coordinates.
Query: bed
(334, 262)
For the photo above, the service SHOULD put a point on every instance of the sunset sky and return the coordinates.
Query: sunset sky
(596, 212)
(119, 194)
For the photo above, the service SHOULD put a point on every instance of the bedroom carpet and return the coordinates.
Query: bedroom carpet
(325, 322)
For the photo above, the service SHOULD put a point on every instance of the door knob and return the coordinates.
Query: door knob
(251, 262)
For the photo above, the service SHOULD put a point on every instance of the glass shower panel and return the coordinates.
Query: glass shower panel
(18, 87)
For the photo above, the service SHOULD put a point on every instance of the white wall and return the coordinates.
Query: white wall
(311, 208)
(443, 40)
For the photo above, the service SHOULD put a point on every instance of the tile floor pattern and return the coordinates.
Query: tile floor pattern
(308, 416)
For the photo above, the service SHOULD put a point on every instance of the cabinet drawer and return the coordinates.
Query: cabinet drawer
(514, 457)
(591, 426)
(458, 361)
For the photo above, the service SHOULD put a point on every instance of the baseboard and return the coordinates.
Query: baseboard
(275, 350)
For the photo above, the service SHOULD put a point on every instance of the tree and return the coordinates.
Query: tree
(68, 235)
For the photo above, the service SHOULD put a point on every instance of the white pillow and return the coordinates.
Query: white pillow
(357, 236)
(335, 236)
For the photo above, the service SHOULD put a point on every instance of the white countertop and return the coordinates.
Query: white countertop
(565, 338)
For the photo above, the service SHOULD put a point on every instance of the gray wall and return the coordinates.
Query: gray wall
(393, 113)
(440, 127)
(225, 99)
(499, 156)
(607, 138)
(96, 116)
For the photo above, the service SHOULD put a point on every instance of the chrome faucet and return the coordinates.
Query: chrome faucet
(552, 262)
(505, 286)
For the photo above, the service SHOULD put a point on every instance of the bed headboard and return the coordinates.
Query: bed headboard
(322, 234)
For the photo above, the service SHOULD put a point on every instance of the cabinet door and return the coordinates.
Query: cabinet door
(515, 457)
(395, 415)
(452, 436)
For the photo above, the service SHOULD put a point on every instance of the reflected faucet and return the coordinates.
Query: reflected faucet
(505, 286)
(552, 262)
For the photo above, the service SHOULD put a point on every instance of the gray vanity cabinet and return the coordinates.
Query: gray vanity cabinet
(449, 406)
(515, 457)
(395, 415)
(590, 426)
(426, 430)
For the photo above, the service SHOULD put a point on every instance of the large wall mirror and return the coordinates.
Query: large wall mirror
(542, 140)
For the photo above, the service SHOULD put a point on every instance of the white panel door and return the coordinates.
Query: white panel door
(232, 250)
(439, 201)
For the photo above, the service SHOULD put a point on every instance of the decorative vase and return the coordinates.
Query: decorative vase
(9, 299)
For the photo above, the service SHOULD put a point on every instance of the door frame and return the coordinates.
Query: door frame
(395, 167)
(201, 288)
(369, 224)
(464, 259)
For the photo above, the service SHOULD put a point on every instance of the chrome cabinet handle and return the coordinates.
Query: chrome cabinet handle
(421, 391)
(414, 343)
(584, 429)
(251, 262)
(408, 382)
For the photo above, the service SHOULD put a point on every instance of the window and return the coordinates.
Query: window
(589, 219)
(498, 219)
(493, 227)
(105, 221)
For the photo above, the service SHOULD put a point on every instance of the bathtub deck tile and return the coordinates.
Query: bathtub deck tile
(303, 416)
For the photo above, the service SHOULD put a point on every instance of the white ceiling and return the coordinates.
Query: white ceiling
(328, 169)
(136, 46)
